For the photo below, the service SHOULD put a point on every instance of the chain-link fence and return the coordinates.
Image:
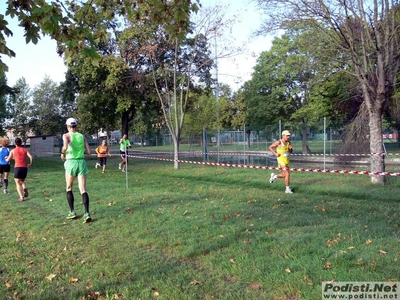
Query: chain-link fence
(320, 142)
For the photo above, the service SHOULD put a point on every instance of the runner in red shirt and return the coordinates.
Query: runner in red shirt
(19, 155)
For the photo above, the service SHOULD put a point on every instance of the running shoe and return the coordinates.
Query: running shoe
(5, 191)
(96, 165)
(288, 191)
(20, 199)
(272, 178)
(87, 218)
(71, 215)
(119, 166)
(26, 193)
(123, 170)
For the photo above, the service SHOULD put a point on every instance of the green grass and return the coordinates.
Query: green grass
(200, 232)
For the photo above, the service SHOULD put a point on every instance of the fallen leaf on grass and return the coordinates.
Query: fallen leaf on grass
(195, 282)
(327, 266)
(232, 260)
(230, 279)
(382, 252)
(255, 287)
(288, 270)
(309, 282)
(19, 236)
(8, 284)
(50, 277)
(368, 242)
(72, 279)
(331, 281)
(330, 242)
(95, 295)
(350, 248)
(156, 294)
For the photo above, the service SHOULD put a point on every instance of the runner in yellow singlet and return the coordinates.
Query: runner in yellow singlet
(282, 149)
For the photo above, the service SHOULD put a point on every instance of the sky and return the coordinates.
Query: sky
(34, 62)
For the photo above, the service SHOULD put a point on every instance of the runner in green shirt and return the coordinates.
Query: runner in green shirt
(75, 146)
(124, 144)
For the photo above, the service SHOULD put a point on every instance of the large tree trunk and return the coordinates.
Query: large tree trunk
(376, 95)
(376, 147)
(125, 122)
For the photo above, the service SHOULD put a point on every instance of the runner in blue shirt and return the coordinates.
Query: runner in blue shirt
(4, 165)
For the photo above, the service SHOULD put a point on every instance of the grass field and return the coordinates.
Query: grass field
(199, 232)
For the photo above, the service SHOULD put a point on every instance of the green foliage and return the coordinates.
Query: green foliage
(265, 94)
(3, 48)
(299, 80)
(46, 115)
(6, 93)
(19, 108)
(78, 28)
(202, 114)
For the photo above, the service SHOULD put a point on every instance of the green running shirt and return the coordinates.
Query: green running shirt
(76, 148)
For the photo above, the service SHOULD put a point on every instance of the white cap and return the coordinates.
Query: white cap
(71, 122)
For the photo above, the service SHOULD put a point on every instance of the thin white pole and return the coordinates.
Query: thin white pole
(324, 141)
(126, 168)
(244, 143)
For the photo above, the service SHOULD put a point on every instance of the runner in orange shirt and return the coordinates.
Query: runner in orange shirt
(102, 152)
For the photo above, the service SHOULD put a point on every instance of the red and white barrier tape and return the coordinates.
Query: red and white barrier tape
(257, 153)
(270, 168)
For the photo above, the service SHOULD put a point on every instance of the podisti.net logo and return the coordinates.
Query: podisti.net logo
(360, 290)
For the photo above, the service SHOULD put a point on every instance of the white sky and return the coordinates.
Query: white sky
(34, 62)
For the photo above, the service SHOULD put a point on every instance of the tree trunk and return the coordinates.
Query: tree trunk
(248, 132)
(125, 122)
(376, 147)
(176, 152)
